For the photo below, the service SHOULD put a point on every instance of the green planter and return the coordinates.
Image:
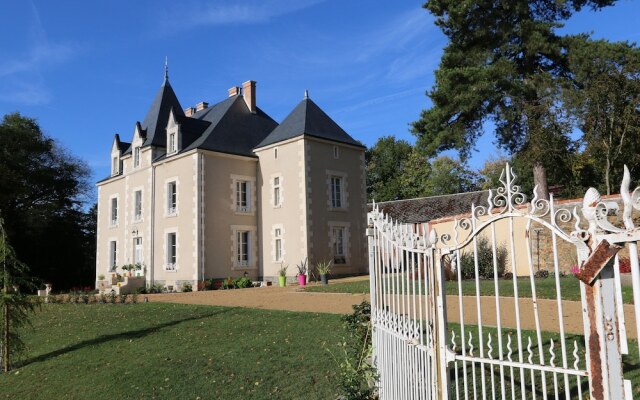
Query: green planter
(282, 280)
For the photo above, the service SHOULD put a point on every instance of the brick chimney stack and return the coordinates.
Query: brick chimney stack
(201, 106)
(234, 91)
(189, 111)
(249, 92)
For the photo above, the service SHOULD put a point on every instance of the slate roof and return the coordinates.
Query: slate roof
(122, 146)
(425, 209)
(155, 121)
(232, 128)
(308, 119)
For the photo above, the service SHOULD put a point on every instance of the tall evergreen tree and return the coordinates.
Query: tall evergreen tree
(504, 63)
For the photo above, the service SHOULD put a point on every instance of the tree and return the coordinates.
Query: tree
(489, 174)
(414, 178)
(504, 63)
(385, 163)
(42, 193)
(450, 176)
(14, 302)
(606, 101)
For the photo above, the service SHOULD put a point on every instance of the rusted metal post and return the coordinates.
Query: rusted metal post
(602, 337)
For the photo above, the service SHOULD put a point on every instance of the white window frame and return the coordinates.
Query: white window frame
(277, 191)
(113, 255)
(171, 240)
(136, 156)
(249, 261)
(138, 250)
(115, 165)
(172, 145)
(137, 205)
(277, 249)
(243, 195)
(172, 197)
(337, 199)
(250, 196)
(339, 242)
(113, 211)
(243, 248)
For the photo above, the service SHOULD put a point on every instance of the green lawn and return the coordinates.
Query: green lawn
(175, 351)
(545, 288)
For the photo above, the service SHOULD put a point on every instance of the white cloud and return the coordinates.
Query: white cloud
(21, 78)
(231, 13)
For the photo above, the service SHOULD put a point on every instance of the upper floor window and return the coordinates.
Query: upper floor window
(172, 198)
(115, 166)
(172, 251)
(173, 145)
(242, 248)
(336, 192)
(114, 211)
(136, 157)
(137, 205)
(336, 152)
(278, 244)
(243, 197)
(276, 192)
(275, 152)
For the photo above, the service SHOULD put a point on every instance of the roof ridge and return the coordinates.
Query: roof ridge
(431, 197)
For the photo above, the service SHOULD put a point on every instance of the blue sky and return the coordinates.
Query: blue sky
(87, 70)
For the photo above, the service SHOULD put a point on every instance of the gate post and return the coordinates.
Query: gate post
(440, 338)
(601, 327)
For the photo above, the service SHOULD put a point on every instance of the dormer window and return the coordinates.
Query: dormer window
(172, 143)
(136, 157)
(115, 166)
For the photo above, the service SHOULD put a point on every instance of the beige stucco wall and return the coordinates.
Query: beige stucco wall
(320, 165)
(221, 217)
(123, 187)
(291, 215)
(182, 169)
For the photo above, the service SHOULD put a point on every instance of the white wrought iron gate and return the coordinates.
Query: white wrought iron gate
(448, 323)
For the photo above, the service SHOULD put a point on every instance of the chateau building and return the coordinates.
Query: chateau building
(224, 191)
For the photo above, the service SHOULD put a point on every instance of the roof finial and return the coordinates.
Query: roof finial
(166, 68)
(306, 94)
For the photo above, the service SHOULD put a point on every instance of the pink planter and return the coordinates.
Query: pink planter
(302, 280)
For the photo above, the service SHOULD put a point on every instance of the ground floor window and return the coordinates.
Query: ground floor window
(137, 250)
(113, 255)
(172, 254)
(242, 248)
(339, 244)
(278, 244)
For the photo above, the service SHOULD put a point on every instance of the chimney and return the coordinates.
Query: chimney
(234, 91)
(201, 106)
(249, 92)
(189, 111)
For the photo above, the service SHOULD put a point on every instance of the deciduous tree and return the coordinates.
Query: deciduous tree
(43, 189)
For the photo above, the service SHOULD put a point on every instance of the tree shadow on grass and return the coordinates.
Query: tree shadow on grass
(135, 334)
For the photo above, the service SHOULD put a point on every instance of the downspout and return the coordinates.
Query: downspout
(153, 220)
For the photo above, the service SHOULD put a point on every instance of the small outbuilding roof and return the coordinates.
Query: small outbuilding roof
(425, 209)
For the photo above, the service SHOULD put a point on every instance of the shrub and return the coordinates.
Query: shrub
(508, 275)
(228, 284)
(357, 374)
(187, 287)
(542, 274)
(242, 282)
(123, 298)
(112, 297)
(485, 260)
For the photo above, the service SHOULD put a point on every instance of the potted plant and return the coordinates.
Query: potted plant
(126, 268)
(302, 272)
(282, 275)
(101, 277)
(138, 268)
(324, 267)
